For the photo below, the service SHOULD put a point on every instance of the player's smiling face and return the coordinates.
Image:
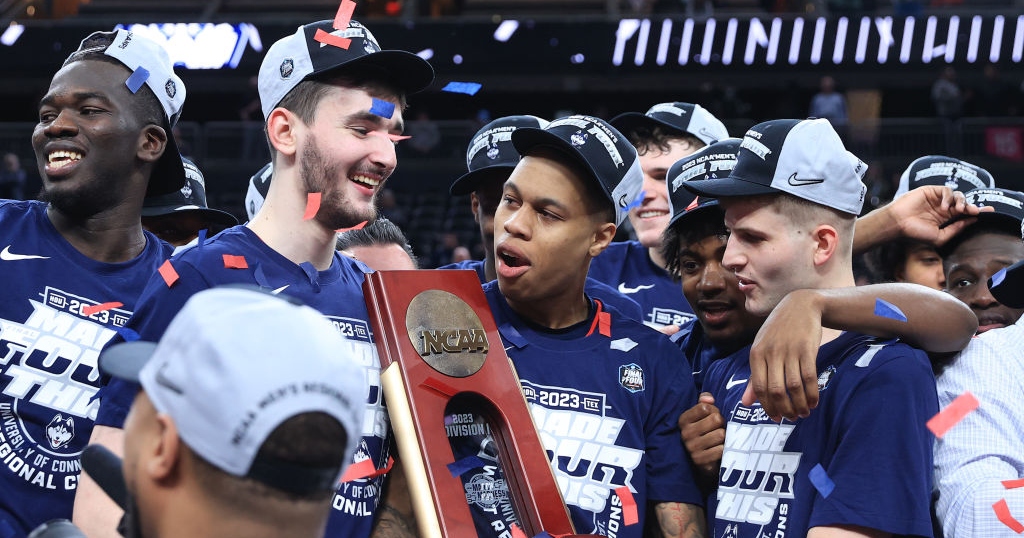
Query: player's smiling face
(545, 233)
(971, 264)
(88, 138)
(713, 293)
(347, 153)
(767, 252)
(651, 218)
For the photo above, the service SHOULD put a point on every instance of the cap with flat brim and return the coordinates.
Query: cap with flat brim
(1007, 285)
(126, 359)
(729, 186)
(610, 160)
(471, 181)
(213, 216)
(678, 118)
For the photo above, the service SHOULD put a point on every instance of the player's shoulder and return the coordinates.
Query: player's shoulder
(624, 326)
(867, 358)
(12, 210)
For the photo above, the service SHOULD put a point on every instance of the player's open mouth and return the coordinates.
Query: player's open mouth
(714, 312)
(59, 159)
(511, 263)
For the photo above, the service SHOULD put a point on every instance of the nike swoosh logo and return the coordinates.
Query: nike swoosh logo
(801, 182)
(9, 256)
(733, 382)
(624, 290)
(279, 290)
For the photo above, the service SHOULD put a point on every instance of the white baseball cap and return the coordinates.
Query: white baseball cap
(234, 364)
(679, 117)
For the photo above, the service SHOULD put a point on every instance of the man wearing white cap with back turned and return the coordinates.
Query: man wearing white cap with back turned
(225, 438)
(861, 463)
(333, 104)
(663, 135)
(74, 263)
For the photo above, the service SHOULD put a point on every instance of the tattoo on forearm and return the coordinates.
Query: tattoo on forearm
(679, 520)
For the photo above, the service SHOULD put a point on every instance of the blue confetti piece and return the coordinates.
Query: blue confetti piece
(888, 310)
(468, 88)
(382, 108)
(138, 78)
(457, 468)
(128, 334)
(201, 240)
(997, 278)
(636, 203)
(821, 481)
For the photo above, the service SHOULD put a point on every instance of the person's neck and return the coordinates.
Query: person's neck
(112, 236)
(280, 225)
(490, 272)
(655, 255)
(564, 310)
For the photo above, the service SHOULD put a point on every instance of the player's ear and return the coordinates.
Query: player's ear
(166, 450)
(152, 143)
(826, 243)
(602, 238)
(282, 132)
(474, 206)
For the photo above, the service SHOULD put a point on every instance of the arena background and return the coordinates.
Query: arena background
(746, 60)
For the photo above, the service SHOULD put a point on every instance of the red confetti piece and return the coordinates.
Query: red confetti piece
(93, 309)
(604, 324)
(391, 137)
(312, 205)
(235, 262)
(1004, 515)
(1013, 484)
(439, 386)
(365, 469)
(170, 275)
(952, 414)
(517, 532)
(356, 227)
(331, 39)
(345, 11)
(629, 513)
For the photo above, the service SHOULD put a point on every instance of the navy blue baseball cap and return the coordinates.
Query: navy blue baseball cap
(1008, 205)
(802, 158)
(678, 117)
(941, 170)
(710, 162)
(301, 56)
(491, 151)
(602, 150)
(1007, 285)
(190, 199)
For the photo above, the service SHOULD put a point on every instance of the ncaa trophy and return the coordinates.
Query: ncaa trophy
(442, 364)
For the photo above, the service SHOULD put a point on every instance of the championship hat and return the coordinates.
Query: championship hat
(190, 199)
(259, 186)
(802, 158)
(602, 150)
(233, 365)
(941, 170)
(150, 65)
(714, 161)
(302, 56)
(1008, 206)
(677, 117)
(491, 151)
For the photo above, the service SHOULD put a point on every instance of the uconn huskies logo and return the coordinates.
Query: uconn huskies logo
(60, 431)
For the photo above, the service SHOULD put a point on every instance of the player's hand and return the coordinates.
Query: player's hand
(933, 213)
(783, 359)
(703, 431)
(669, 330)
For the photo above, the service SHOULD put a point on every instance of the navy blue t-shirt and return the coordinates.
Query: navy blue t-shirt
(625, 266)
(699, 351)
(606, 409)
(593, 288)
(336, 293)
(49, 345)
(868, 434)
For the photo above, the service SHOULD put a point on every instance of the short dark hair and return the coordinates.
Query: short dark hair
(646, 138)
(313, 439)
(1001, 226)
(677, 237)
(379, 232)
(147, 109)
